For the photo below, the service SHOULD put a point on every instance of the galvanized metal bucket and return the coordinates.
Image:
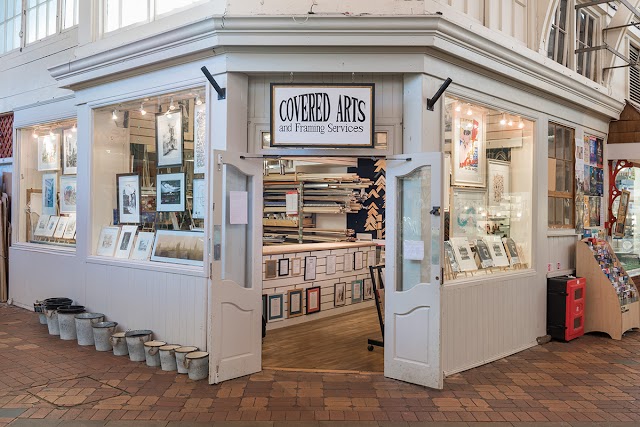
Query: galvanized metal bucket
(168, 357)
(51, 311)
(66, 321)
(135, 343)
(119, 344)
(197, 363)
(152, 352)
(84, 327)
(181, 352)
(102, 335)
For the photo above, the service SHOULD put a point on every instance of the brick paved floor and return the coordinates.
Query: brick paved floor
(593, 379)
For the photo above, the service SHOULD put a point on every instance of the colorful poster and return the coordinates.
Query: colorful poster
(469, 153)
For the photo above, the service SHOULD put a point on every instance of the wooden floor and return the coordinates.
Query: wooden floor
(334, 343)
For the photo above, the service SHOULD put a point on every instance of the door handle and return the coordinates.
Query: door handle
(435, 211)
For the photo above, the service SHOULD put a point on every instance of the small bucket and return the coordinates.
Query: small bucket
(135, 344)
(66, 321)
(197, 362)
(102, 335)
(119, 344)
(168, 357)
(84, 329)
(151, 352)
(51, 311)
(181, 352)
(43, 318)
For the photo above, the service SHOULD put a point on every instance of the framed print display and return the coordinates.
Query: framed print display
(371, 258)
(199, 190)
(463, 254)
(498, 186)
(482, 249)
(276, 307)
(270, 269)
(68, 194)
(143, 245)
(170, 192)
(469, 157)
(358, 260)
(41, 227)
(70, 231)
(467, 213)
(51, 226)
(451, 256)
(69, 152)
(356, 291)
(339, 294)
(296, 266)
(180, 247)
(348, 261)
(61, 227)
(49, 193)
(512, 250)
(199, 138)
(313, 299)
(169, 139)
(294, 303)
(128, 185)
(496, 248)
(107, 241)
(621, 217)
(49, 152)
(331, 264)
(367, 291)
(283, 267)
(310, 263)
(125, 241)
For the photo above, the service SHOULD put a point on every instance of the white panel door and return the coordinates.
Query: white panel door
(413, 276)
(236, 271)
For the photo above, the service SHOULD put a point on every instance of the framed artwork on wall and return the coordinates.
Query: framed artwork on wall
(128, 185)
(199, 142)
(294, 302)
(358, 260)
(70, 151)
(349, 260)
(469, 157)
(296, 266)
(170, 192)
(169, 140)
(179, 247)
(310, 263)
(313, 299)
(270, 269)
(199, 190)
(356, 291)
(331, 264)
(339, 294)
(467, 214)
(107, 241)
(68, 194)
(276, 307)
(367, 292)
(49, 152)
(143, 245)
(49, 193)
(621, 217)
(499, 181)
(283, 267)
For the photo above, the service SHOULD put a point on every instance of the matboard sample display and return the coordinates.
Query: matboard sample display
(484, 254)
(463, 254)
(498, 253)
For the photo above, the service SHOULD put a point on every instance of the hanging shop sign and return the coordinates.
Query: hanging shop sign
(312, 115)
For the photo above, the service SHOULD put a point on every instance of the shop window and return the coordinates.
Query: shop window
(488, 193)
(586, 61)
(560, 176)
(48, 165)
(625, 231)
(10, 24)
(121, 13)
(634, 74)
(70, 14)
(558, 42)
(149, 179)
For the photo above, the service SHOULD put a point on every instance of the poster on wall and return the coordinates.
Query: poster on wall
(469, 155)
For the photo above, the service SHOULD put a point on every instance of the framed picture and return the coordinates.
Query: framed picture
(61, 227)
(339, 294)
(294, 303)
(496, 248)
(371, 258)
(276, 307)
(70, 231)
(41, 227)
(169, 140)
(358, 260)
(367, 292)
(313, 299)
(348, 261)
(463, 254)
(199, 193)
(310, 263)
(49, 152)
(621, 217)
(296, 266)
(482, 249)
(179, 247)
(331, 264)
(512, 250)
(468, 149)
(200, 138)
(68, 194)
(51, 226)
(125, 241)
(170, 192)
(143, 245)
(499, 180)
(451, 256)
(70, 151)
(356, 291)
(128, 185)
(187, 107)
(49, 193)
(270, 269)
(283, 267)
(467, 213)
(107, 241)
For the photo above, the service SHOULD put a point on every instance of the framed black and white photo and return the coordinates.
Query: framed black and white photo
(180, 247)
(283, 267)
(170, 192)
(199, 138)
(68, 192)
(339, 294)
(294, 302)
(49, 193)
(70, 231)
(169, 139)
(128, 185)
(107, 241)
(142, 247)
(125, 241)
(310, 263)
(49, 152)
(70, 151)
(199, 190)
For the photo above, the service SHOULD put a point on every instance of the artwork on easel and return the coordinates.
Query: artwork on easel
(463, 254)
(496, 248)
(451, 257)
(482, 249)
(512, 250)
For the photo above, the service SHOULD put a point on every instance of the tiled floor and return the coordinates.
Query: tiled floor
(593, 379)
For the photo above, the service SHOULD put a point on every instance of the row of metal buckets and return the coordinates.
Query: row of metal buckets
(73, 322)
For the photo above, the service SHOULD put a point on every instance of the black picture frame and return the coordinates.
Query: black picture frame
(283, 265)
(179, 140)
(310, 294)
(290, 295)
(138, 198)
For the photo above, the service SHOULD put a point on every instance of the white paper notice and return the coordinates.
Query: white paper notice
(238, 207)
(413, 250)
(292, 203)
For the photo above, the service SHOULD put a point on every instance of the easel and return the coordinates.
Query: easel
(378, 292)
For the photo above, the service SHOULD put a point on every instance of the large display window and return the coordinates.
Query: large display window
(488, 190)
(150, 179)
(48, 165)
(625, 231)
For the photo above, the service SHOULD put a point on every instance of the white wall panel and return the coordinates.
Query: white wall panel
(561, 249)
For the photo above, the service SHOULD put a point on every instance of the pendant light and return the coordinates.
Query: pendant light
(142, 110)
(503, 120)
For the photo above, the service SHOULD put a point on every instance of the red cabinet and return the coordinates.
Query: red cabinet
(565, 307)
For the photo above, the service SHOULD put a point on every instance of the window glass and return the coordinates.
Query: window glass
(122, 13)
(10, 22)
(561, 176)
(134, 11)
(557, 35)
(149, 179)
(48, 167)
(164, 6)
(70, 16)
(489, 211)
(585, 61)
(41, 19)
(626, 231)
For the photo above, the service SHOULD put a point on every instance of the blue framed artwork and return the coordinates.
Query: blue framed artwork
(356, 291)
(276, 307)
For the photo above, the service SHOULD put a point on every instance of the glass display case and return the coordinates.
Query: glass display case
(625, 235)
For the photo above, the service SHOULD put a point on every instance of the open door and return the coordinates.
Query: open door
(413, 276)
(236, 303)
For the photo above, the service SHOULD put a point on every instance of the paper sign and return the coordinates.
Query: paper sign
(292, 203)
(413, 250)
(238, 207)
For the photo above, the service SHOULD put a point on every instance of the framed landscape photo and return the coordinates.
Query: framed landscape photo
(49, 193)
(68, 194)
(49, 152)
(143, 245)
(170, 192)
(179, 247)
(70, 151)
(169, 140)
(107, 241)
(294, 302)
(339, 294)
(313, 299)
(125, 241)
(128, 185)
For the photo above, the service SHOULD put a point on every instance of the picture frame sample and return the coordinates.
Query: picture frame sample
(41, 226)
(367, 289)
(107, 241)
(348, 261)
(68, 194)
(199, 196)
(296, 266)
(49, 152)
(310, 264)
(358, 260)
(142, 246)
(70, 231)
(463, 254)
(169, 139)
(294, 303)
(339, 294)
(199, 138)
(170, 192)
(70, 151)
(283, 267)
(467, 211)
(61, 227)
(313, 299)
(371, 258)
(276, 307)
(50, 193)
(482, 249)
(498, 253)
(451, 256)
(51, 226)
(125, 241)
(179, 247)
(271, 269)
(469, 156)
(356, 291)
(128, 187)
(512, 250)
(621, 217)
(498, 183)
(331, 264)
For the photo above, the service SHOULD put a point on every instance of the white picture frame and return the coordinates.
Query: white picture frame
(50, 193)
(484, 254)
(61, 227)
(348, 261)
(41, 227)
(199, 197)
(170, 191)
(51, 226)
(70, 231)
(310, 263)
(49, 152)
(468, 212)
(169, 139)
(107, 241)
(70, 151)
(125, 241)
(463, 253)
(468, 149)
(68, 194)
(200, 139)
(143, 246)
(498, 252)
(128, 187)
(358, 260)
(171, 242)
(498, 183)
(331, 264)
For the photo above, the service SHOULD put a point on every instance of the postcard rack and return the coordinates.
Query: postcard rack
(376, 273)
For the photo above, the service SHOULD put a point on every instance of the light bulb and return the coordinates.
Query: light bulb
(172, 106)
(198, 100)
(114, 116)
(520, 125)
(142, 110)
(74, 128)
(510, 122)
(168, 114)
(469, 112)
(503, 120)
(51, 134)
(458, 107)
(34, 134)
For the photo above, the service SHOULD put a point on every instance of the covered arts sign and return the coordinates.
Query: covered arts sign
(316, 115)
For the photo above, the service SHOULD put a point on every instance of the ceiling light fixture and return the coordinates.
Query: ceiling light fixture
(171, 105)
(34, 134)
(503, 120)
(114, 115)
(142, 110)
(198, 100)
(521, 125)
(469, 111)
(458, 108)
(51, 134)
(74, 128)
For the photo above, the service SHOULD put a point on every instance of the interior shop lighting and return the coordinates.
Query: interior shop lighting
(198, 100)
(114, 115)
(34, 134)
(469, 111)
(74, 128)
(51, 134)
(521, 125)
(172, 105)
(458, 108)
(503, 120)
(510, 122)
(142, 110)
